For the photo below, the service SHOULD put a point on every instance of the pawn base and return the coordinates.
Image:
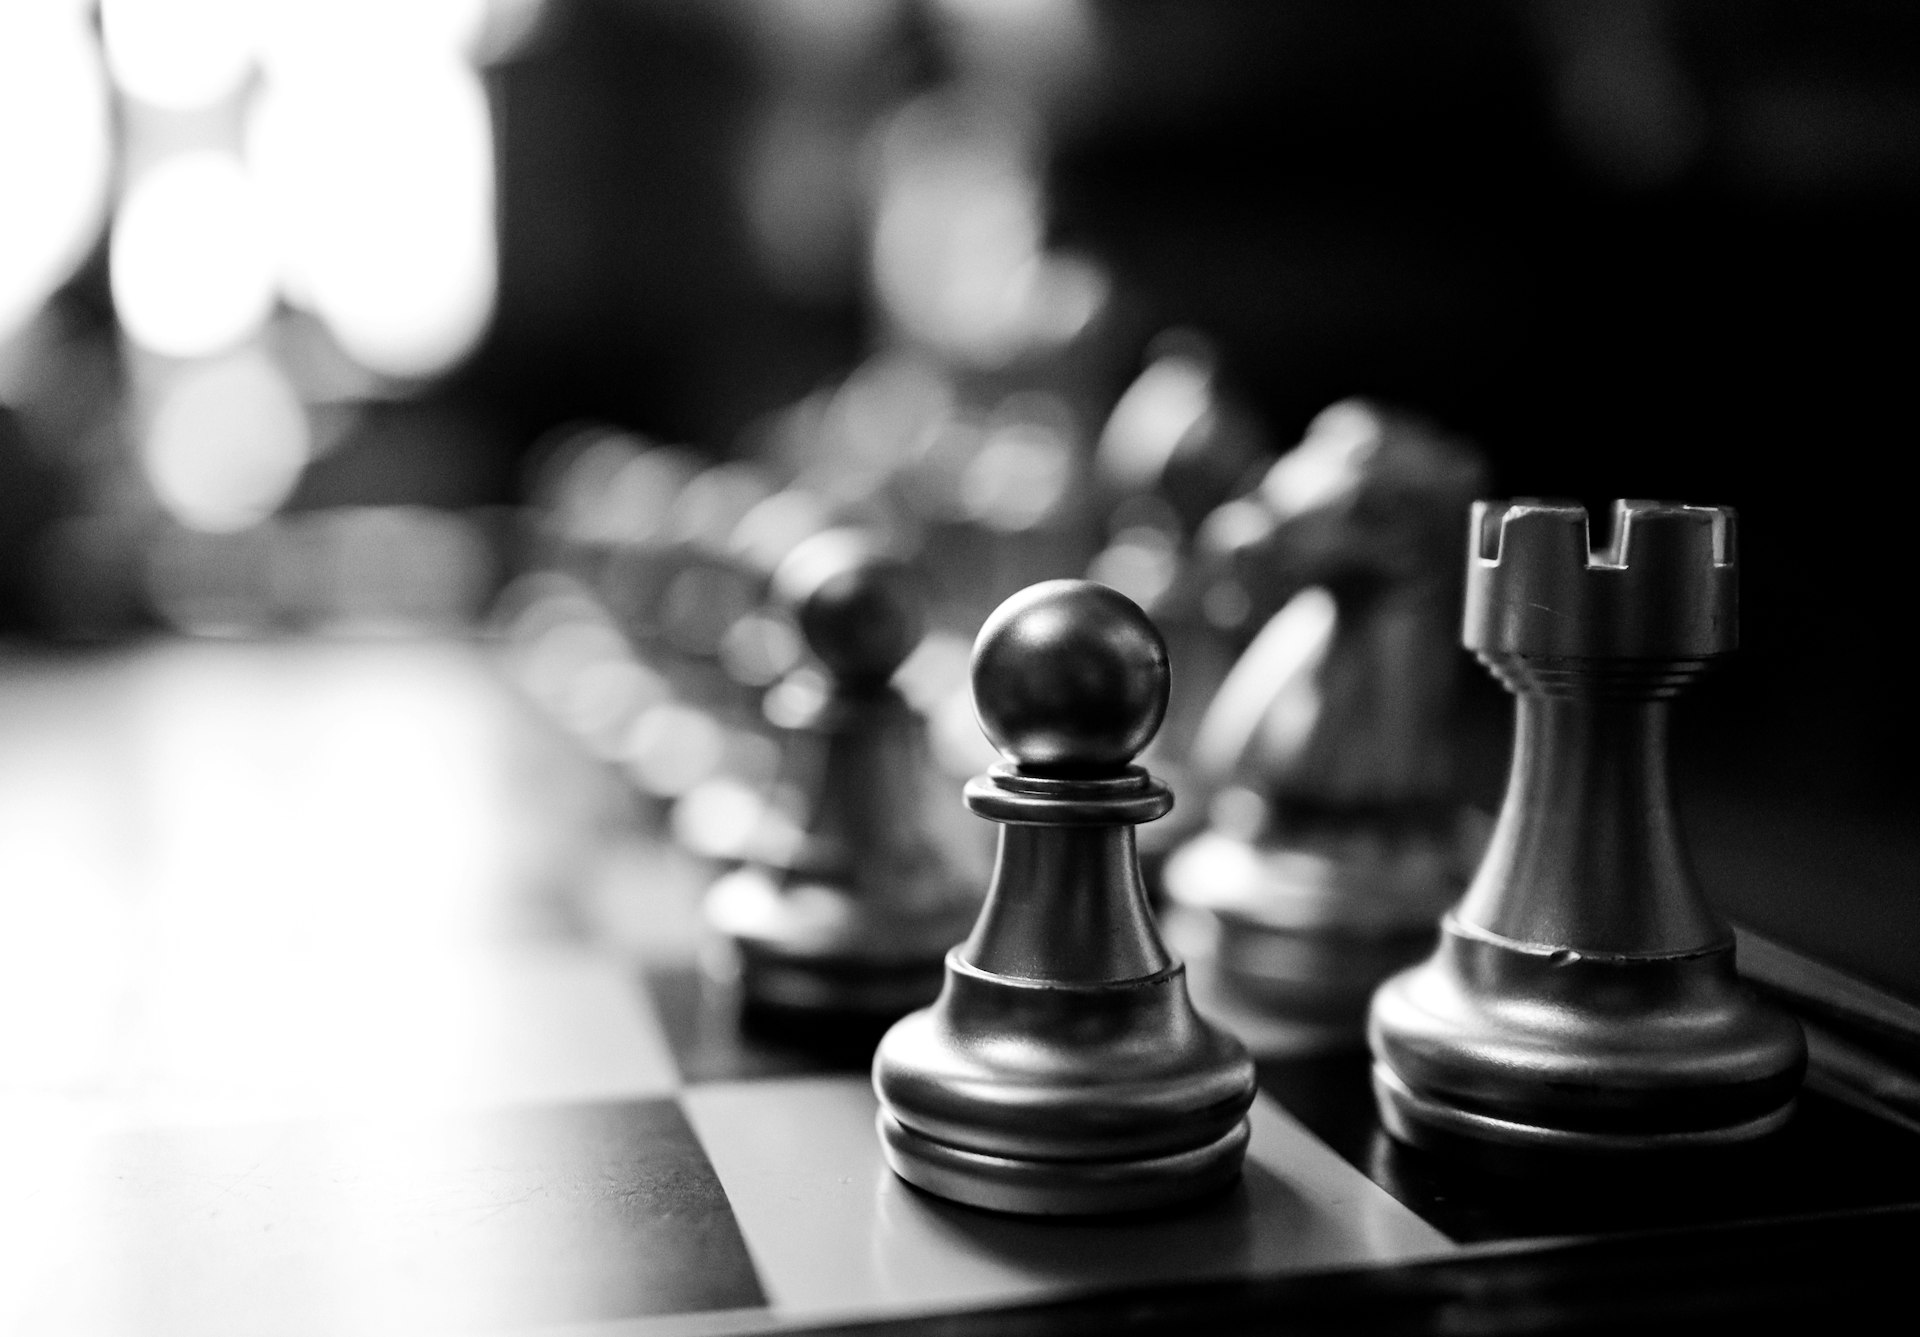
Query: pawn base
(830, 987)
(817, 946)
(1062, 1188)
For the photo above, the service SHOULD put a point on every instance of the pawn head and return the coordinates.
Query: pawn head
(1069, 676)
(857, 606)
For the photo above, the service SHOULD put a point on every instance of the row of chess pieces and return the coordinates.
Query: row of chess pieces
(778, 653)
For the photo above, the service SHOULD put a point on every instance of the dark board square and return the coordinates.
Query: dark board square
(1830, 1158)
(503, 1218)
(716, 1037)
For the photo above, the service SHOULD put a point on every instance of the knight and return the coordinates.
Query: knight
(1336, 834)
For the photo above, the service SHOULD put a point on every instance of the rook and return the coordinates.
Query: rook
(1583, 996)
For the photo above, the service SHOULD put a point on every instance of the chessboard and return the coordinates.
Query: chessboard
(345, 994)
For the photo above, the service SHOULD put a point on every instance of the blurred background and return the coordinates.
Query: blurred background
(362, 314)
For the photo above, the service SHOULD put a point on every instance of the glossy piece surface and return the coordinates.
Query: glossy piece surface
(1068, 673)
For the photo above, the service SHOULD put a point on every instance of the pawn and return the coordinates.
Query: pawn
(1583, 997)
(1063, 1070)
(846, 905)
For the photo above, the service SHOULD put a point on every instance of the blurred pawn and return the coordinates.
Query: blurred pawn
(842, 918)
(1337, 837)
(702, 590)
(720, 813)
(735, 642)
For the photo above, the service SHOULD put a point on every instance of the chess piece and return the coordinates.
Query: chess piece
(1338, 835)
(1583, 996)
(1177, 441)
(1063, 1070)
(1176, 446)
(847, 905)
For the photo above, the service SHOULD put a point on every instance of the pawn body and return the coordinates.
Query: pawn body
(1063, 1070)
(1583, 997)
(847, 905)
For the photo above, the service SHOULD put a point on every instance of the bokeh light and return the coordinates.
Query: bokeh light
(226, 443)
(310, 33)
(1152, 418)
(178, 53)
(378, 171)
(55, 149)
(191, 264)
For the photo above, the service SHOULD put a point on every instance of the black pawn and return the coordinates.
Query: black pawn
(1063, 1069)
(847, 905)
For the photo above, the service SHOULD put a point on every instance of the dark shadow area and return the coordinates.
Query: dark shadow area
(1829, 1158)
